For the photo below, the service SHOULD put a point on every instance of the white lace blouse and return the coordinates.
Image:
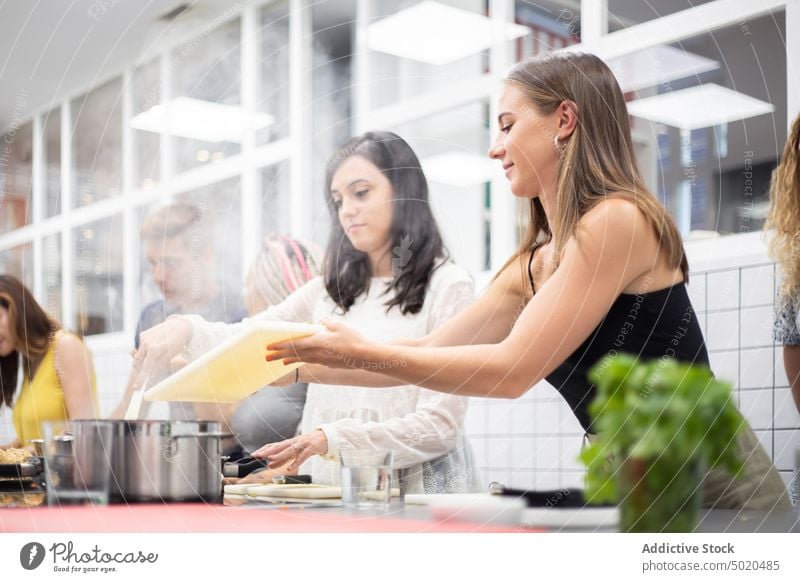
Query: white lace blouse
(423, 429)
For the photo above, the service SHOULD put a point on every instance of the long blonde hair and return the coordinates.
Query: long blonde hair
(784, 213)
(598, 158)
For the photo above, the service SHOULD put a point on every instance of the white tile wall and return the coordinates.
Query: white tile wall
(780, 372)
(758, 286)
(725, 365)
(786, 442)
(723, 290)
(756, 323)
(756, 369)
(786, 415)
(697, 292)
(723, 330)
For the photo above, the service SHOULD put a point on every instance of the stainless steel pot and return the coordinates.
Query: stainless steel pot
(164, 460)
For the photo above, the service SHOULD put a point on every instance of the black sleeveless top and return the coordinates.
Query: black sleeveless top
(648, 325)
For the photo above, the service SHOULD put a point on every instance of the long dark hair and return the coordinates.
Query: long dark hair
(31, 330)
(415, 236)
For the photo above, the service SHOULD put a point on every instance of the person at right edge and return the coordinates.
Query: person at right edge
(784, 245)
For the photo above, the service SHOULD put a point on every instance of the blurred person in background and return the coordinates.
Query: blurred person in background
(58, 379)
(178, 243)
(784, 223)
(272, 414)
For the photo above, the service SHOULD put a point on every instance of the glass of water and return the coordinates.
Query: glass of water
(366, 478)
(77, 461)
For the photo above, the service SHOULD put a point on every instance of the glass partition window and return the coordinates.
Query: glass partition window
(98, 291)
(18, 261)
(417, 47)
(624, 13)
(707, 130)
(52, 162)
(201, 261)
(16, 171)
(275, 200)
(51, 265)
(97, 144)
(146, 142)
(205, 115)
(272, 108)
(452, 148)
(551, 25)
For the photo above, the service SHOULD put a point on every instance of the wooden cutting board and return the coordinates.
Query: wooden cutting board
(234, 369)
(291, 491)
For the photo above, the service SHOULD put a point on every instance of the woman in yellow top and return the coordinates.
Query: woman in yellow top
(58, 380)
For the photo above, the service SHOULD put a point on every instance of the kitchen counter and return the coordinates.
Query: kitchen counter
(203, 518)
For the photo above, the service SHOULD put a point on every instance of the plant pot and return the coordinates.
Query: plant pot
(660, 495)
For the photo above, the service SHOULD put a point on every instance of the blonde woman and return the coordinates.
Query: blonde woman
(784, 222)
(283, 266)
(601, 270)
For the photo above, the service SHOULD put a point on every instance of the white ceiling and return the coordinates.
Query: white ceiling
(49, 50)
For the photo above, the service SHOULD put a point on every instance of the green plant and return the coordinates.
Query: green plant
(657, 419)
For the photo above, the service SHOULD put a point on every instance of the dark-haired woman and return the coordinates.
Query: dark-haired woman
(385, 272)
(58, 381)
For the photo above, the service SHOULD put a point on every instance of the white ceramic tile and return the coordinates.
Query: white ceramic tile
(569, 422)
(765, 438)
(697, 291)
(546, 418)
(723, 330)
(475, 419)
(786, 443)
(756, 324)
(758, 286)
(547, 479)
(498, 452)
(756, 406)
(723, 290)
(523, 453)
(478, 445)
(786, 415)
(548, 453)
(544, 392)
(498, 418)
(781, 380)
(522, 415)
(725, 365)
(573, 479)
(756, 370)
(570, 450)
(521, 479)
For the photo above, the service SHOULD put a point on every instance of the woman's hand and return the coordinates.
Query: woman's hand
(292, 453)
(338, 347)
(158, 347)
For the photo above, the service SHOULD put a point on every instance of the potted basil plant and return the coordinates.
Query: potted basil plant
(660, 425)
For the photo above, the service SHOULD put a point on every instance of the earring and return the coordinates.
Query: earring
(556, 144)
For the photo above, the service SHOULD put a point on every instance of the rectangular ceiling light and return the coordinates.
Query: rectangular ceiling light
(658, 66)
(701, 106)
(200, 120)
(460, 169)
(435, 33)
